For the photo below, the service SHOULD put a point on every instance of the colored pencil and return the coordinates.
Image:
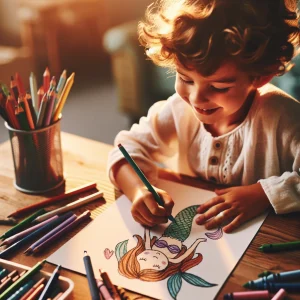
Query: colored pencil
(20, 226)
(21, 280)
(50, 233)
(84, 216)
(49, 109)
(7, 251)
(33, 91)
(10, 110)
(90, 277)
(14, 87)
(20, 235)
(32, 109)
(22, 118)
(61, 82)
(70, 206)
(22, 290)
(24, 103)
(20, 85)
(42, 111)
(63, 97)
(50, 284)
(40, 94)
(83, 188)
(46, 80)
(111, 288)
(143, 178)
(36, 286)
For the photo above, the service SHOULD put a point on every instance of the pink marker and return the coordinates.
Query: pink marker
(280, 295)
(252, 295)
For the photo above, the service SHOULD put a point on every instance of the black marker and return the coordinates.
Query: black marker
(91, 277)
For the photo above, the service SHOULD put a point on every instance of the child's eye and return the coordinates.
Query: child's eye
(186, 81)
(218, 90)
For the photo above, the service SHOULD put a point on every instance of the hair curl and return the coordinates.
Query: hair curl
(259, 35)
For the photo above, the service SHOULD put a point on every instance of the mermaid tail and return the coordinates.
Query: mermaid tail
(182, 228)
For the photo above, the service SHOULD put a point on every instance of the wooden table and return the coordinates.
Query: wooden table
(85, 161)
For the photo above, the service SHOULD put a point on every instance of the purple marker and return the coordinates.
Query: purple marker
(50, 233)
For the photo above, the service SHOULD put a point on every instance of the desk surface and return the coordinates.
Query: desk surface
(85, 161)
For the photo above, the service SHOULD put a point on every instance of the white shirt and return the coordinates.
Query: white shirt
(265, 147)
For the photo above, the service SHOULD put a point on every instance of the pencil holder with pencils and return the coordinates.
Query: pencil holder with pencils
(37, 157)
(33, 122)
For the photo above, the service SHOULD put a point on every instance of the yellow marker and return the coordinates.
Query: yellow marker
(63, 97)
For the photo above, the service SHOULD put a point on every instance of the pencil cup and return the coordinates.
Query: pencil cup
(37, 158)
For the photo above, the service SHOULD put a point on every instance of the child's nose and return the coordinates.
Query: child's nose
(199, 95)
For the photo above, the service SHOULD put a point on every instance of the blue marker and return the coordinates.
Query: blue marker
(284, 276)
(273, 287)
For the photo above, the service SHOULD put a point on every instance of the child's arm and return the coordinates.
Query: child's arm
(145, 209)
(234, 204)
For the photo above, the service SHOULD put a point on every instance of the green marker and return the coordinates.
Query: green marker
(21, 281)
(19, 227)
(143, 178)
(280, 246)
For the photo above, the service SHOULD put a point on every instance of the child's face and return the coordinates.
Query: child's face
(217, 99)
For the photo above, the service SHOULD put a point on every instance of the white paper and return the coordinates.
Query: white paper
(116, 224)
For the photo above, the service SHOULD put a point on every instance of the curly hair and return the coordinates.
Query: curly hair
(129, 266)
(259, 35)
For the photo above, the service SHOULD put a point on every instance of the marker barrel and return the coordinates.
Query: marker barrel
(252, 295)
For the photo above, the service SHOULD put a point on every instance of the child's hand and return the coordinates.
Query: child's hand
(146, 211)
(235, 204)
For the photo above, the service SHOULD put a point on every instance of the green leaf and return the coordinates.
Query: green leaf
(196, 280)
(121, 249)
(174, 285)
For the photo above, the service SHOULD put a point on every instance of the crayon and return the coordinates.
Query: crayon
(284, 276)
(274, 287)
(251, 295)
(18, 283)
(280, 246)
(50, 284)
(279, 295)
(264, 274)
(90, 277)
(20, 226)
(143, 178)
(35, 294)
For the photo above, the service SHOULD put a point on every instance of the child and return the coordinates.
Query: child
(225, 123)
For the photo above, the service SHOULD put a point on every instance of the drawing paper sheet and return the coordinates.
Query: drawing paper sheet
(116, 225)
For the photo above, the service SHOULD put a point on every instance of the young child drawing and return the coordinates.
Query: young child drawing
(226, 123)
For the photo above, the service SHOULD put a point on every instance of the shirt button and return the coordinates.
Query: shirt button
(217, 145)
(213, 160)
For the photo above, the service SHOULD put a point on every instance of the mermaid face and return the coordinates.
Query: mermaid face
(152, 259)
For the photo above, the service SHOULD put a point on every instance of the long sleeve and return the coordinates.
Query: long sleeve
(284, 191)
(152, 140)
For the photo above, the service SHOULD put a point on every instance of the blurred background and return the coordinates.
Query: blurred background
(97, 39)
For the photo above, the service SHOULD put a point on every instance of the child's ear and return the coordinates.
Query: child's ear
(262, 80)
